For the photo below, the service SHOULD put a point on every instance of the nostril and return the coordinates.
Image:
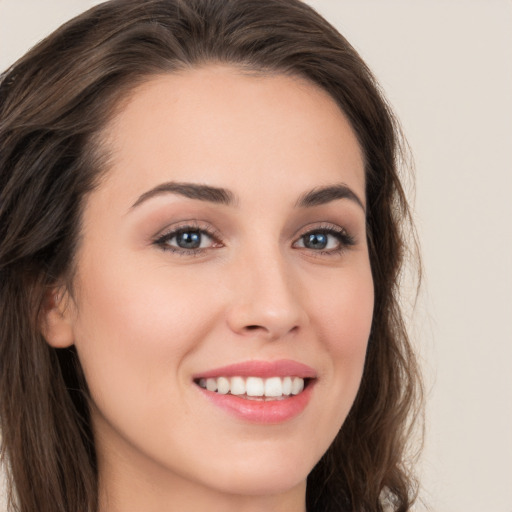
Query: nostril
(252, 327)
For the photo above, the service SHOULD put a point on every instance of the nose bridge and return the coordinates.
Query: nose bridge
(265, 298)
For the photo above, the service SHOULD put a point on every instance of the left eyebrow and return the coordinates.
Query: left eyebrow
(191, 190)
(323, 195)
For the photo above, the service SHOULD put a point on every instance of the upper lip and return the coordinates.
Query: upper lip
(263, 369)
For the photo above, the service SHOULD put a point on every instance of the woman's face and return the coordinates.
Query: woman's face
(229, 230)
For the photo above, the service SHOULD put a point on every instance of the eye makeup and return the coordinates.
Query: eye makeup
(327, 239)
(189, 238)
(193, 238)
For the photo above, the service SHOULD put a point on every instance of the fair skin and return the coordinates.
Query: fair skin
(265, 277)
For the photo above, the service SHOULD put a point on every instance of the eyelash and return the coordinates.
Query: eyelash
(163, 240)
(344, 239)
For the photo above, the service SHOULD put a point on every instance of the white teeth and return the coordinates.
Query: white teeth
(287, 386)
(223, 385)
(237, 386)
(273, 387)
(211, 384)
(254, 386)
(297, 385)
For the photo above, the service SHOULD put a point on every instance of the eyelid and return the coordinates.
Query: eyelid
(346, 240)
(192, 225)
(322, 226)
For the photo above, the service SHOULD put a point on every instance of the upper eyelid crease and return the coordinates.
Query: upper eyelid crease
(180, 228)
(331, 230)
(323, 226)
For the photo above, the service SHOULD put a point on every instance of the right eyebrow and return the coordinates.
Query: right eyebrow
(323, 195)
(191, 190)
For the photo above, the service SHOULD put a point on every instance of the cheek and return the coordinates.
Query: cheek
(136, 327)
(346, 312)
(134, 334)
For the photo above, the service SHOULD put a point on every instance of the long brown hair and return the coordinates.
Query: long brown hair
(53, 104)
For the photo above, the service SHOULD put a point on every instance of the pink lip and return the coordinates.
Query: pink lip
(263, 369)
(262, 411)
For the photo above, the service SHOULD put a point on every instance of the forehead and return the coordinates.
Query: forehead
(219, 123)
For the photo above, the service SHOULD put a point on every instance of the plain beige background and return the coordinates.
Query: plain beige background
(446, 66)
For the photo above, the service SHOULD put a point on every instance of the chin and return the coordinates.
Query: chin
(272, 483)
(275, 475)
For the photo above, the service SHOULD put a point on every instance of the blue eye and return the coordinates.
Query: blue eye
(327, 240)
(315, 240)
(187, 240)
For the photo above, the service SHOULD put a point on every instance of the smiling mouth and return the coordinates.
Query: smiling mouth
(255, 388)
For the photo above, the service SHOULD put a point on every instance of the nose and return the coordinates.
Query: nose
(266, 298)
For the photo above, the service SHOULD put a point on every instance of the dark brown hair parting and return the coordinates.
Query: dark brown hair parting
(54, 103)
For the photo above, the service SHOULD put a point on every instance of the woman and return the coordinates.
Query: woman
(202, 232)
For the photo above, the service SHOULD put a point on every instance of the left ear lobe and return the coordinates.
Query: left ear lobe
(55, 322)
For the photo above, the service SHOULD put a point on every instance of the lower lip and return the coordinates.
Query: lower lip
(262, 411)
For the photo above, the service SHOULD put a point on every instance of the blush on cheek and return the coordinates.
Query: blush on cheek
(350, 321)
